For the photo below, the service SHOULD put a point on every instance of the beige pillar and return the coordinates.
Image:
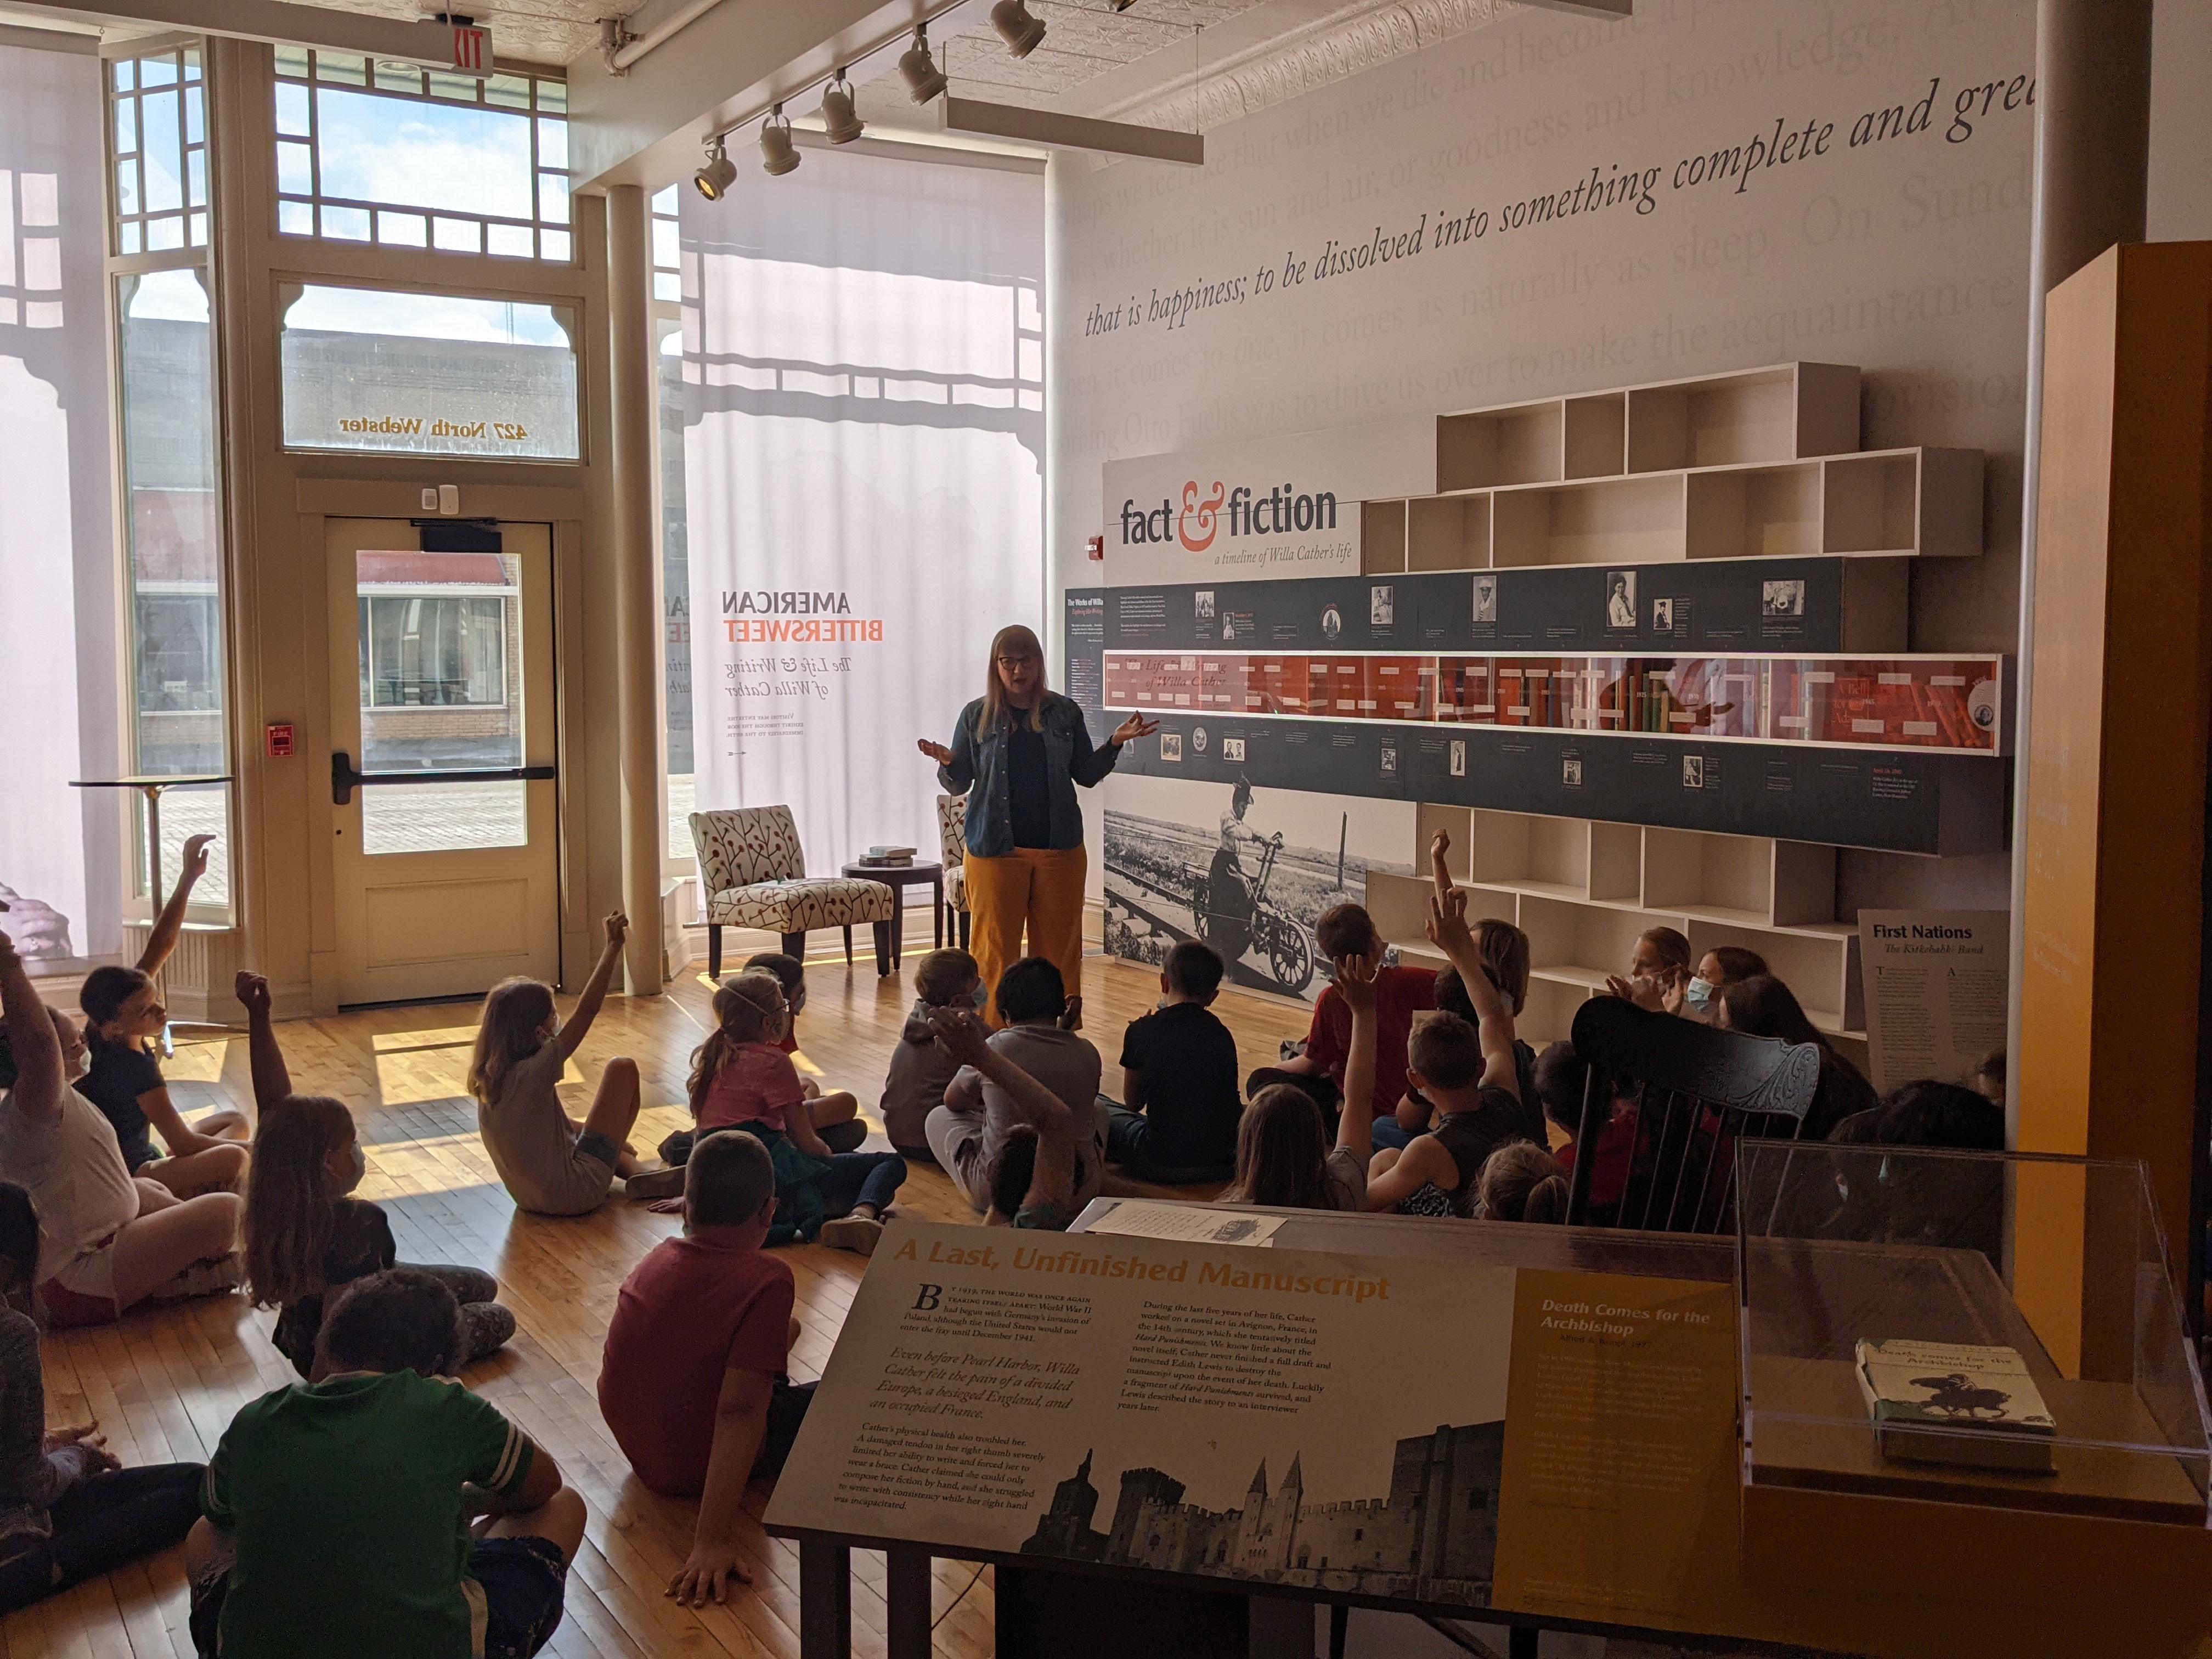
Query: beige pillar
(637, 621)
(2092, 180)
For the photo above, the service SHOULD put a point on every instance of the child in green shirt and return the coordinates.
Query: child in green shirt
(337, 1513)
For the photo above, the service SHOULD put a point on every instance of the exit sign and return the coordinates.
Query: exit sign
(473, 49)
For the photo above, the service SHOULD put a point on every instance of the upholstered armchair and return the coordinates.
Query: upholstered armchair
(755, 876)
(952, 835)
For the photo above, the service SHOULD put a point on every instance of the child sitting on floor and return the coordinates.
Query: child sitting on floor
(834, 1111)
(742, 1074)
(550, 1164)
(692, 1383)
(1401, 994)
(1177, 1122)
(1284, 1157)
(969, 1131)
(1471, 1075)
(740, 1079)
(305, 1236)
(919, 1069)
(338, 1512)
(106, 1241)
(1521, 1182)
(124, 1018)
(1032, 1180)
(69, 1509)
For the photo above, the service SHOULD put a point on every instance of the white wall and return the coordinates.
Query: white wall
(1906, 256)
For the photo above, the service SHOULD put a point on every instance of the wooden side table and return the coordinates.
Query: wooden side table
(899, 878)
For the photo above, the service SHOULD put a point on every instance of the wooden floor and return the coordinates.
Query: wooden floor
(165, 1381)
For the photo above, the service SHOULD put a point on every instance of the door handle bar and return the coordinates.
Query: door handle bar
(345, 780)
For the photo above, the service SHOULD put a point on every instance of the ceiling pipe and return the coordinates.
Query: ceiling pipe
(629, 47)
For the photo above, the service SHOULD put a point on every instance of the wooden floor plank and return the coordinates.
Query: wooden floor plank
(165, 1381)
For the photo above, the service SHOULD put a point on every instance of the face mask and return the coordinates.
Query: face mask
(357, 1167)
(1697, 995)
(979, 999)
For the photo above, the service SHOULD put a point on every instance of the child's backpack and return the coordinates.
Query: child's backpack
(798, 1211)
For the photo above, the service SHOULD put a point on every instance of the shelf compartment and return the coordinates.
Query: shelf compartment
(1400, 907)
(1548, 1015)
(1727, 878)
(1529, 853)
(1582, 944)
(1616, 863)
(1500, 447)
(1821, 969)
(1597, 442)
(1448, 532)
(1783, 413)
(1615, 521)
(1752, 512)
(1381, 537)
(1922, 501)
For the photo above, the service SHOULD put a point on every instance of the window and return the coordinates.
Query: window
(420, 652)
(407, 157)
(159, 129)
(675, 564)
(367, 368)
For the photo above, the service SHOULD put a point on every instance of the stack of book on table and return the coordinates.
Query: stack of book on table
(888, 858)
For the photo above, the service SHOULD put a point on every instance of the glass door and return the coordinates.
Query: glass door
(442, 774)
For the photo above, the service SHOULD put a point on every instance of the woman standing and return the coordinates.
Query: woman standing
(1022, 749)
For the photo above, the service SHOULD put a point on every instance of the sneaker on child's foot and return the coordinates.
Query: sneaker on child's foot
(665, 1182)
(208, 1278)
(857, 1233)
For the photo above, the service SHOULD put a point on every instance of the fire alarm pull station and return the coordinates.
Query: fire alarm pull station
(1095, 547)
(280, 740)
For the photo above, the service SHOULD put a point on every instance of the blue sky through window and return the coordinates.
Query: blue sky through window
(423, 154)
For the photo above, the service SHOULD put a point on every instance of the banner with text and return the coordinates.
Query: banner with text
(864, 493)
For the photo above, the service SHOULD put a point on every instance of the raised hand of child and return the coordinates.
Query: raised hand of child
(1448, 930)
(618, 926)
(960, 1036)
(1439, 866)
(1355, 983)
(196, 857)
(252, 990)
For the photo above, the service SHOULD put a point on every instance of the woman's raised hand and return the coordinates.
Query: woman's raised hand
(1133, 728)
(936, 751)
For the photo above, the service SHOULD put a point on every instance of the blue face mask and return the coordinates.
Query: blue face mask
(979, 999)
(1697, 996)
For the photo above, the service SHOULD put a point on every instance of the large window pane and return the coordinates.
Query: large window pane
(429, 375)
(174, 553)
(675, 593)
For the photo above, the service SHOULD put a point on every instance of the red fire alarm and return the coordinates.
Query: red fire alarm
(1095, 547)
(280, 740)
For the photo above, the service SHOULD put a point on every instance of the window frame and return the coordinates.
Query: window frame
(197, 255)
(537, 228)
(507, 598)
(664, 308)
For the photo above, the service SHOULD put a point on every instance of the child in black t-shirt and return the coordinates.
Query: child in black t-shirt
(123, 1016)
(305, 1235)
(1178, 1122)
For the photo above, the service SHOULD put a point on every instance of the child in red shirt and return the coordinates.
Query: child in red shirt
(1346, 930)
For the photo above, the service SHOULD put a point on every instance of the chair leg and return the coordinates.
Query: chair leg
(714, 951)
(794, 946)
(848, 945)
(965, 918)
(883, 948)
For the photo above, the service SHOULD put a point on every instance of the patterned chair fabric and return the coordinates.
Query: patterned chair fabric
(952, 837)
(755, 875)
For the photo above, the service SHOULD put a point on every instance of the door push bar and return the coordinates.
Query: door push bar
(345, 780)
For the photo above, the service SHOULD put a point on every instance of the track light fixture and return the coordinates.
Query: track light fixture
(716, 178)
(779, 156)
(919, 69)
(838, 120)
(1021, 30)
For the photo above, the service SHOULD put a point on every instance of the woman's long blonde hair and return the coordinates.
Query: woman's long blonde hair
(289, 1211)
(514, 1012)
(1013, 640)
(748, 1008)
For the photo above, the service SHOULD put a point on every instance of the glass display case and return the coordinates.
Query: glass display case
(1954, 703)
(1989, 1329)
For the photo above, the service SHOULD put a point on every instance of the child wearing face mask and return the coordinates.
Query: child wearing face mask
(305, 1236)
(920, 1067)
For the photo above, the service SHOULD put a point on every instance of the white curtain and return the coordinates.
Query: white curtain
(863, 477)
(59, 868)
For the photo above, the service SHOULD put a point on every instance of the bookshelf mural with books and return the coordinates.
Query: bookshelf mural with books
(1645, 652)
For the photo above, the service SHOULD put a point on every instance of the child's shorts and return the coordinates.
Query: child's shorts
(523, 1580)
